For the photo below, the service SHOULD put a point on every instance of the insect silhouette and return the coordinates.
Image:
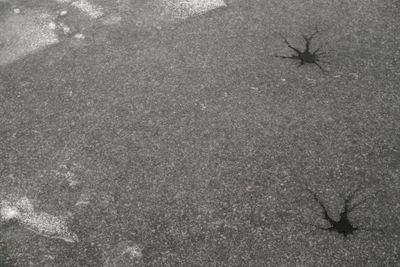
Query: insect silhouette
(306, 56)
(343, 226)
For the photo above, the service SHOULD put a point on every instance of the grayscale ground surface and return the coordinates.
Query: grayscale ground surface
(156, 135)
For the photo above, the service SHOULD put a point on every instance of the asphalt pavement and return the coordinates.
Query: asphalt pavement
(199, 133)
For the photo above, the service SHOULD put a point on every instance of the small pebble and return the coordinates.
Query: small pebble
(17, 10)
(63, 13)
(52, 26)
(66, 30)
(79, 36)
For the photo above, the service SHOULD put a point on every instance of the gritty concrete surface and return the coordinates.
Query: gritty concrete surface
(165, 140)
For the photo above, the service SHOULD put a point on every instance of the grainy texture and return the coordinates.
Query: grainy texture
(171, 142)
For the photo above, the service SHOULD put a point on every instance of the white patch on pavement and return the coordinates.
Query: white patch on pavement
(186, 8)
(91, 10)
(41, 223)
(125, 253)
(134, 252)
(23, 35)
(8, 213)
(29, 31)
(66, 29)
(52, 26)
(79, 36)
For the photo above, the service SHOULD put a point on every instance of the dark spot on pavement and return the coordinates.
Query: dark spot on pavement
(306, 56)
(342, 226)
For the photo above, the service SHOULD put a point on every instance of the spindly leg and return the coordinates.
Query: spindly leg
(349, 198)
(290, 46)
(316, 51)
(291, 57)
(359, 203)
(321, 68)
(324, 210)
(309, 38)
(308, 41)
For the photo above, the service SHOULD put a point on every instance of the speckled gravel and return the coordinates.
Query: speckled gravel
(189, 143)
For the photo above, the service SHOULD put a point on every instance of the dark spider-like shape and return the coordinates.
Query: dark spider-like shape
(343, 225)
(306, 56)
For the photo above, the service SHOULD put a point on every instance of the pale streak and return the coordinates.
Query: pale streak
(41, 223)
(23, 35)
(187, 8)
(89, 9)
